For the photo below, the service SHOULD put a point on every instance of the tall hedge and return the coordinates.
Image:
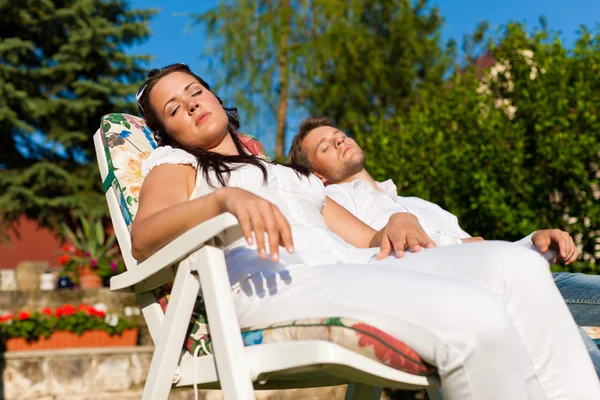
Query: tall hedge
(510, 150)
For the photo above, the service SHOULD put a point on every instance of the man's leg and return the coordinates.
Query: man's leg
(582, 294)
(593, 350)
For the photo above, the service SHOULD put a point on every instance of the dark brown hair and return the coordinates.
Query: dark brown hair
(207, 160)
(297, 154)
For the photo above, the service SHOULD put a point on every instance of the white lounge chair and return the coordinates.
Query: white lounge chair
(195, 261)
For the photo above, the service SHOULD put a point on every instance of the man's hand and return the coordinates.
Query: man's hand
(555, 239)
(473, 239)
(402, 232)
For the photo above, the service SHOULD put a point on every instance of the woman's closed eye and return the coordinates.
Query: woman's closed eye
(198, 93)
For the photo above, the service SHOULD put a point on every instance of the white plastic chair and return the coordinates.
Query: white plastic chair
(196, 260)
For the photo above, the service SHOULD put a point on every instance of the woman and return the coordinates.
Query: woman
(487, 315)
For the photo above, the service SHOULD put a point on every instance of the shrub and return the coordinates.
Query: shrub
(514, 150)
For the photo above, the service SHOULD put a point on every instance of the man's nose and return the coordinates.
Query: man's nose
(339, 141)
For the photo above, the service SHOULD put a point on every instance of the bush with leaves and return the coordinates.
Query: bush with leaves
(510, 151)
(43, 323)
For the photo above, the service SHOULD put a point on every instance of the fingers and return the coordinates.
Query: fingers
(258, 215)
(258, 225)
(560, 241)
(385, 250)
(566, 246)
(270, 220)
(285, 231)
(571, 250)
(412, 242)
(246, 226)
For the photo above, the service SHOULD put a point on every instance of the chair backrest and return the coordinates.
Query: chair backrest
(122, 143)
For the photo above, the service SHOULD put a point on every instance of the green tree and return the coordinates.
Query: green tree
(372, 57)
(62, 66)
(256, 44)
(511, 150)
(341, 58)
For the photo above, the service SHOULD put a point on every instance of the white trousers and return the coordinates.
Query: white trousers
(488, 315)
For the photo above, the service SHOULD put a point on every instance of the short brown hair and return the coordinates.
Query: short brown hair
(297, 154)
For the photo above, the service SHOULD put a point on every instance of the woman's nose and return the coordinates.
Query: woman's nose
(192, 106)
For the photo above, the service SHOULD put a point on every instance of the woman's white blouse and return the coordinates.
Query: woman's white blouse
(299, 198)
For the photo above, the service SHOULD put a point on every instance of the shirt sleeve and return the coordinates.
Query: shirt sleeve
(449, 221)
(341, 196)
(167, 155)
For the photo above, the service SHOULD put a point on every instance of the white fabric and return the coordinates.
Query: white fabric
(374, 207)
(472, 311)
(167, 155)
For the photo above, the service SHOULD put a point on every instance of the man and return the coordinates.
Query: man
(340, 164)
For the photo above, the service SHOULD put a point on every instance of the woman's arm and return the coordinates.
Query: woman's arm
(165, 212)
(402, 231)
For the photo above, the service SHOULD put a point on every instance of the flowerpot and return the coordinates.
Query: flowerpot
(66, 340)
(85, 270)
(90, 282)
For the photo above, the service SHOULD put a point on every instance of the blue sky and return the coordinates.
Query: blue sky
(173, 40)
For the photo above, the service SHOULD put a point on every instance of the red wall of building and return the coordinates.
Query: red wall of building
(34, 243)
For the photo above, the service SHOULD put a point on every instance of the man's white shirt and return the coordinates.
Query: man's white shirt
(374, 207)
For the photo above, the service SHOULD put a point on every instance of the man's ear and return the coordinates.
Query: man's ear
(321, 177)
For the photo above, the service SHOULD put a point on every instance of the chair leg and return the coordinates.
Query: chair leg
(233, 366)
(362, 392)
(172, 334)
(435, 394)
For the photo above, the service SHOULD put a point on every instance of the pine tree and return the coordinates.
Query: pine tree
(62, 66)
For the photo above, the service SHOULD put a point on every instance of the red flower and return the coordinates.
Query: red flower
(96, 312)
(23, 315)
(46, 311)
(69, 247)
(83, 307)
(63, 259)
(6, 317)
(67, 309)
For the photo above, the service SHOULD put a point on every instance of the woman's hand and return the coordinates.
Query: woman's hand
(403, 231)
(257, 214)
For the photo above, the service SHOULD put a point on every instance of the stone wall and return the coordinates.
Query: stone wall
(106, 373)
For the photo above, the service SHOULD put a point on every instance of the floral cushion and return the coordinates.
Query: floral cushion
(127, 142)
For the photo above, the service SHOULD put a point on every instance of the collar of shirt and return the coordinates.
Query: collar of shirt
(388, 187)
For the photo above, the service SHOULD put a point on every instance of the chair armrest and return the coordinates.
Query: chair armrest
(137, 279)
